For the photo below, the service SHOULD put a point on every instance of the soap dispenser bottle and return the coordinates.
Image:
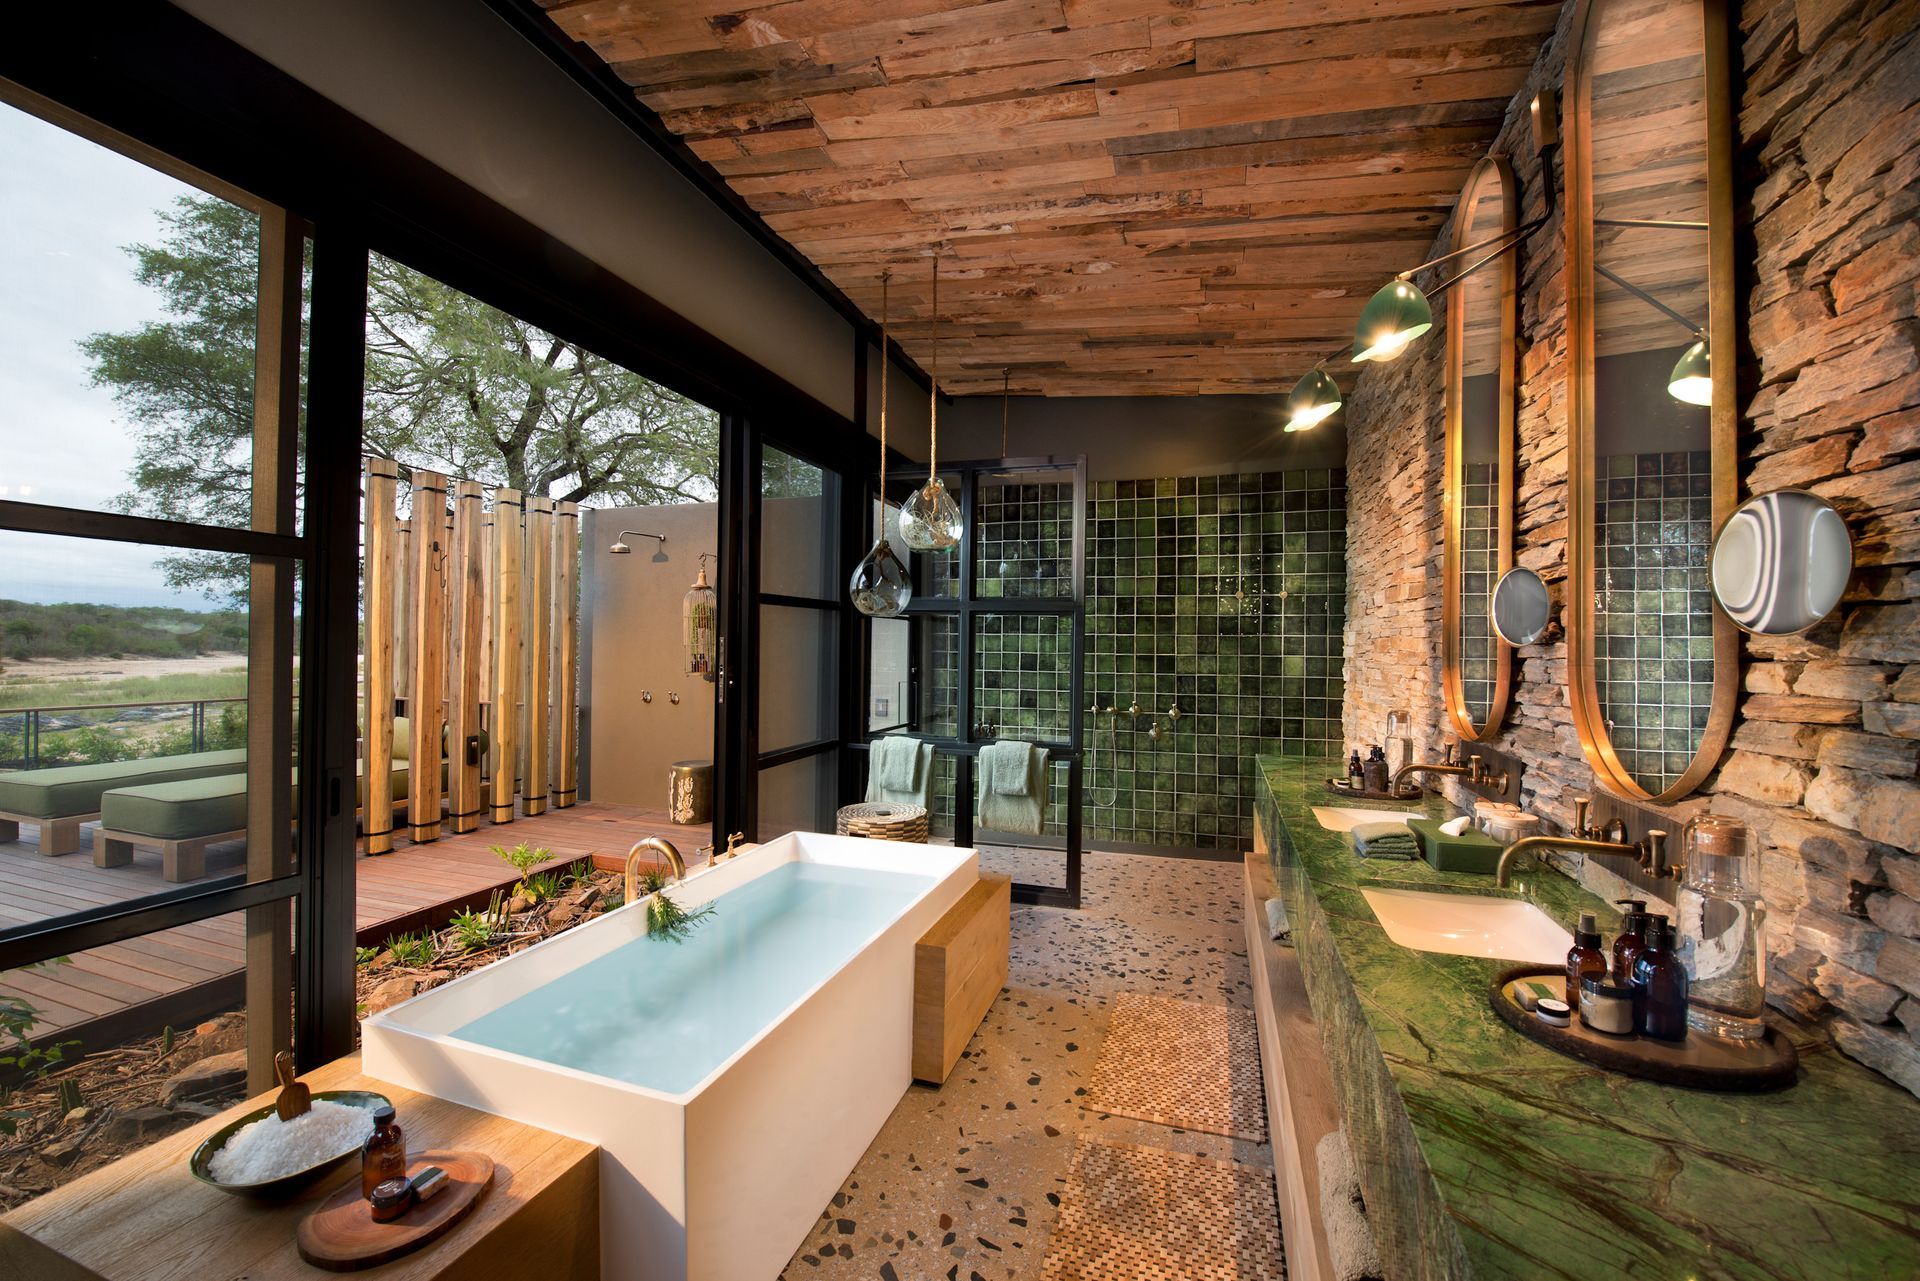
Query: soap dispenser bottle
(1584, 959)
(1376, 769)
(1659, 986)
(1627, 944)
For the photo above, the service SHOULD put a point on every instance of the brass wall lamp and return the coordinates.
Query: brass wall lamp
(1400, 311)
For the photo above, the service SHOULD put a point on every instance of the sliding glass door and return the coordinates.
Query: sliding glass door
(785, 534)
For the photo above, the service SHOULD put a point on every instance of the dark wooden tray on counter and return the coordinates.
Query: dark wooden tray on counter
(1357, 794)
(1701, 1061)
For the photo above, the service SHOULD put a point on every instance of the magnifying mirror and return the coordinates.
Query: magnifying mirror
(1781, 562)
(1521, 607)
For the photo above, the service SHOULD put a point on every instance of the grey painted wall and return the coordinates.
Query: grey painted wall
(1129, 437)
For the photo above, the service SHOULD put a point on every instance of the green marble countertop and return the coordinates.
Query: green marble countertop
(1484, 1154)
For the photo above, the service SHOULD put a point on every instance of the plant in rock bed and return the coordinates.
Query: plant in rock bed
(471, 931)
(19, 1056)
(524, 859)
(412, 950)
(665, 918)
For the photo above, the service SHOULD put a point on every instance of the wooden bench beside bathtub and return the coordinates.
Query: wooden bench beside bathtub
(959, 967)
(145, 1218)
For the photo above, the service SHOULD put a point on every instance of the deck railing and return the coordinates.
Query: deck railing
(30, 723)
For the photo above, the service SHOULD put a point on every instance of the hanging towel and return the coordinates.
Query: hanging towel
(1008, 766)
(1384, 840)
(1279, 928)
(896, 763)
(900, 771)
(1355, 1256)
(1012, 792)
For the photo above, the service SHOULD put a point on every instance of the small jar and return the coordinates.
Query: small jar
(1605, 1006)
(385, 1154)
(1555, 1012)
(391, 1200)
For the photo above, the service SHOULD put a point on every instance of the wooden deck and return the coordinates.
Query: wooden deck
(181, 975)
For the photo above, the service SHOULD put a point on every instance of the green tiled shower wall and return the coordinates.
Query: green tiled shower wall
(1225, 595)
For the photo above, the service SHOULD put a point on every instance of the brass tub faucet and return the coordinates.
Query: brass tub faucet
(656, 845)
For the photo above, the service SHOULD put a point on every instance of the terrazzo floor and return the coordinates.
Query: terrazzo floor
(963, 1182)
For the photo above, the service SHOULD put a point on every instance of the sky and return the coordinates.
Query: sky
(68, 208)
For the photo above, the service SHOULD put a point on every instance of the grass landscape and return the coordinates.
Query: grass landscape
(158, 660)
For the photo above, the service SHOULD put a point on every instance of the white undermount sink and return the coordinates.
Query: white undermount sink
(1470, 925)
(1341, 818)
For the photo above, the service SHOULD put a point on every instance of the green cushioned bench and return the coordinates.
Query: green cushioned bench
(182, 818)
(59, 800)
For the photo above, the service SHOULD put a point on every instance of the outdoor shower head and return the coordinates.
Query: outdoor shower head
(620, 547)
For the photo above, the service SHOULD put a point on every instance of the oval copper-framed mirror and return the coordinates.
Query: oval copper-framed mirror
(1475, 663)
(1653, 670)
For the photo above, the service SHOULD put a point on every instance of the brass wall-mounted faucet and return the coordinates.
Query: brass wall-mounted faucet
(1473, 771)
(1650, 853)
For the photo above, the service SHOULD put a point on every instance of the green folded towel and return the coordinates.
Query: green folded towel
(897, 757)
(1024, 812)
(1384, 840)
(896, 763)
(1008, 766)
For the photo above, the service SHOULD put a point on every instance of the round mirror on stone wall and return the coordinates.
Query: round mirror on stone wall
(1520, 607)
(1480, 403)
(1652, 665)
(1781, 562)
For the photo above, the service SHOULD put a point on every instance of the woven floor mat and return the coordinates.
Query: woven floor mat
(1181, 1063)
(1140, 1214)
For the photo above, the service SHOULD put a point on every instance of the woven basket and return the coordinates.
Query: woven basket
(883, 822)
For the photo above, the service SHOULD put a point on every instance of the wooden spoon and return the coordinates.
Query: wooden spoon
(295, 1099)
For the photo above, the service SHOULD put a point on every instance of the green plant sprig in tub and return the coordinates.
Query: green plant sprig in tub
(666, 919)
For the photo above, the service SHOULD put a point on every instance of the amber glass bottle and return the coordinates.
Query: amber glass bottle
(1626, 945)
(385, 1154)
(1585, 959)
(1659, 986)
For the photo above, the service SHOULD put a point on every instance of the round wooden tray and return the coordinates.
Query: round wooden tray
(1701, 1061)
(341, 1236)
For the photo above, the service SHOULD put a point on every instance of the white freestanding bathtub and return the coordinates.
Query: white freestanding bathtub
(732, 1080)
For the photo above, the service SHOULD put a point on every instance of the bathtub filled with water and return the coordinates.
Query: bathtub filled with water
(731, 1080)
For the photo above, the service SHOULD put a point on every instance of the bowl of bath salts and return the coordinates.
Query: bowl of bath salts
(260, 1155)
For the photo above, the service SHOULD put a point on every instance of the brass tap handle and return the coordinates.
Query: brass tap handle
(1476, 772)
(1580, 804)
(1657, 856)
(1446, 752)
(733, 839)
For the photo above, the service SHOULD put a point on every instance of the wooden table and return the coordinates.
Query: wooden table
(145, 1218)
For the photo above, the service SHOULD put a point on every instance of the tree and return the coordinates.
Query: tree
(451, 384)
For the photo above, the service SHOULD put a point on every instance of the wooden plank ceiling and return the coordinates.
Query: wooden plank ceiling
(1129, 197)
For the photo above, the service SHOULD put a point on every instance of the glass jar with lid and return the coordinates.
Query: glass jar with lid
(1722, 929)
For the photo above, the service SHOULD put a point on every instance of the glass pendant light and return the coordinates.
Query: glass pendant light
(697, 613)
(880, 587)
(1313, 399)
(1396, 315)
(1692, 377)
(930, 520)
